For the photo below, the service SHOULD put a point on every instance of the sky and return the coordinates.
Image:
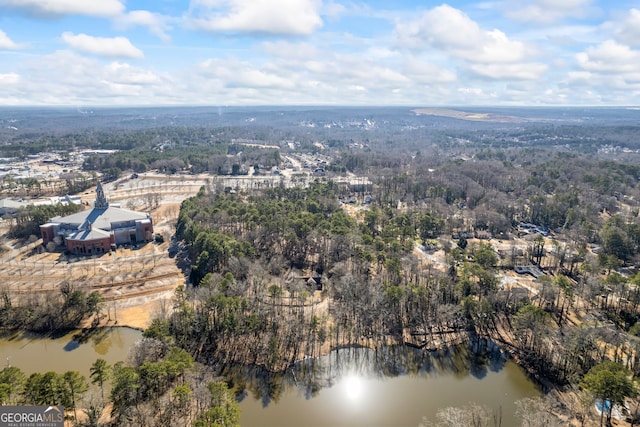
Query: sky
(319, 52)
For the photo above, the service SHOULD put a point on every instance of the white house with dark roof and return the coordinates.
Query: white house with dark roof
(98, 230)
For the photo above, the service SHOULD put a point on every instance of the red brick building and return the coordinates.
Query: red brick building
(98, 230)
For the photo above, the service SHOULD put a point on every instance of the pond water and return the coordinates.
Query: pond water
(393, 387)
(70, 351)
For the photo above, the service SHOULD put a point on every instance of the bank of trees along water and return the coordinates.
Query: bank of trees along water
(47, 312)
(158, 389)
(48, 388)
(163, 387)
(259, 261)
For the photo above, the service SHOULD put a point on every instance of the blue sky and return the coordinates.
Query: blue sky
(319, 52)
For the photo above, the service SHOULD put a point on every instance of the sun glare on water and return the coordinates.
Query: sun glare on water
(354, 387)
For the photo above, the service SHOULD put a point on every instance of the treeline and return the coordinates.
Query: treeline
(48, 389)
(43, 312)
(159, 389)
(28, 220)
(257, 261)
(114, 139)
(163, 387)
(220, 159)
(300, 228)
(170, 160)
(282, 227)
(495, 190)
(69, 183)
(169, 149)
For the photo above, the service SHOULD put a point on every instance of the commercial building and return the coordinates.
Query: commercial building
(98, 230)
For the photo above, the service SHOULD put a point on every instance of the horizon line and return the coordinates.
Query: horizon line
(409, 106)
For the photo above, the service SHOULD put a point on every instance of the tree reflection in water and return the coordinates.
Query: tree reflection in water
(354, 364)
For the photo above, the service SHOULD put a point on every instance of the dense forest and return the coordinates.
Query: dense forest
(404, 240)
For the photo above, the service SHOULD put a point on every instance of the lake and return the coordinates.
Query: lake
(70, 351)
(392, 387)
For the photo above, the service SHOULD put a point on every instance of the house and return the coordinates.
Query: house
(65, 200)
(98, 230)
(529, 269)
(462, 235)
(526, 228)
(511, 252)
(482, 234)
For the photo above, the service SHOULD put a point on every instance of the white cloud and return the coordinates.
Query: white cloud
(627, 29)
(595, 88)
(436, 56)
(524, 71)
(9, 79)
(471, 91)
(156, 23)
(607, 71)
(234, 73)
(423, 72)
(476, 95)
(316, 74)
(548, 11)
(584, 76)
(609, 57)
(102, 46)
(333, 9)
(47, 8)
(67, 78)
(451, 30)
(291, 50)
(6, 42)
(290, 77)
(285, 17)
(125, 74)
(447, 32)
